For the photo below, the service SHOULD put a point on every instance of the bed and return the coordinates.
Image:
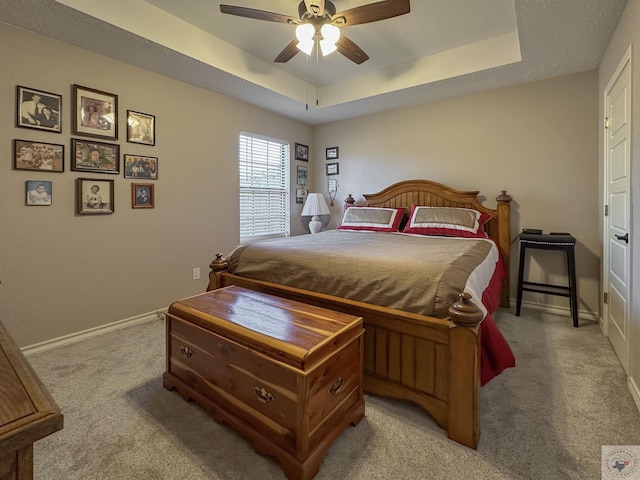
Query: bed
(438, 359)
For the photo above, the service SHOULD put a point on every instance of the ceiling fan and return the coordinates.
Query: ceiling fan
(319, 23)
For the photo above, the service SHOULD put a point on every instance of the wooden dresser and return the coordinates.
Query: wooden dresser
(27, 412)
(286, 375)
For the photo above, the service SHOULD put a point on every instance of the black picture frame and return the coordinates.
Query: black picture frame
(84, 157)
(41, 113)
(302, 173)
(333, 168)
(141, 128)
(302, 152)
(95, 113)
(332, 153)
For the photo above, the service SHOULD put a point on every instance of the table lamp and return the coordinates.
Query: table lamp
(315, 206)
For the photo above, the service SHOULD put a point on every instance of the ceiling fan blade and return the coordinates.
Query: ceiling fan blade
(257, 14)
(288, 52)
(372, 12)
(350, 50)
(315, 7)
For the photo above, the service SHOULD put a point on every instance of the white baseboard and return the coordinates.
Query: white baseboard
(558, 310)
(92, 332)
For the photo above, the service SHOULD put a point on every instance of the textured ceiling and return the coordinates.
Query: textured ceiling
(443, 48)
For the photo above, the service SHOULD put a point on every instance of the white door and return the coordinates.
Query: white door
(617, 100)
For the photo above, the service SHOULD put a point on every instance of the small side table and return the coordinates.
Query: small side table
(564, 242)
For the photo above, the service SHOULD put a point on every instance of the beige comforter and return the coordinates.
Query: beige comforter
(418, 274)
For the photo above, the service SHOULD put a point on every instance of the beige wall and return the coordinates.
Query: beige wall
(538, 141)
(61, 273)
(627, 34)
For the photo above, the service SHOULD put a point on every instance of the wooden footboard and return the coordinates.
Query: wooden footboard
(432, 362)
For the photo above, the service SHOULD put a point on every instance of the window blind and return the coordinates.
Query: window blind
(264, 187)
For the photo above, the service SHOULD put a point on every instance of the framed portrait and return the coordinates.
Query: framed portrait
(28, 155)
(142, 195)
(302, 174)
(333, 168)
(88, 156)
(38, 192)
(94, 196)
(331, 153)
(141, 128)
(301, 195)
(302, 152)
(38, 109)
(95, 113)
(138, 166)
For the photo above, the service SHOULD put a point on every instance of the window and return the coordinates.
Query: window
(264, 187)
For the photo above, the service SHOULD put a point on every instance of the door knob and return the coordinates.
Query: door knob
(624, 237)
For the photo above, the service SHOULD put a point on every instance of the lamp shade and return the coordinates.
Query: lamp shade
(314, 206)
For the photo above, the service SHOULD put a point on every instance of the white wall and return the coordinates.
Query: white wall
(538, 141)
(627, 34)
(61, 273)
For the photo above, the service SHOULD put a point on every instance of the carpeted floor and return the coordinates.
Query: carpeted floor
(545, 419)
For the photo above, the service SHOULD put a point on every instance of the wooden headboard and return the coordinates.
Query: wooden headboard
(433, 194)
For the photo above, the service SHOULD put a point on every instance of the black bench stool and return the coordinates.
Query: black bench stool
(564, 242)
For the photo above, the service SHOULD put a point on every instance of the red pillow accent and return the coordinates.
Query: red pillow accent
(447, 221)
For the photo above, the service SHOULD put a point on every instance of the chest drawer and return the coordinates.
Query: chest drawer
(247, 383)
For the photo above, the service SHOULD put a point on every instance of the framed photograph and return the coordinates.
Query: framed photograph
(142, 195)
(94, 196)
(141, 128)
(94, 156)
(137, 166)
(38, 109)
(39, 192)
(332, 185)
(333, 168)
(95, 113)
(301, 195)
(302, 152)
(28, 155)
(302, 174)
(332, 153)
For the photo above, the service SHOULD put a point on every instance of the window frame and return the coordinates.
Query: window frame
(264, 171)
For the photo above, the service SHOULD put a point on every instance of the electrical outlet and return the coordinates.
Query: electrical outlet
(196, 274)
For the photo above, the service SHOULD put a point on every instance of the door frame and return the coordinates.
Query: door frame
(625, 61)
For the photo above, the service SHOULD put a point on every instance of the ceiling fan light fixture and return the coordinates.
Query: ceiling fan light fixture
(327, 47)
(305, 32)
(306, 46)
(330, 33)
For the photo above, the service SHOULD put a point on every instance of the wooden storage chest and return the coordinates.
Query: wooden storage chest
(287, 375)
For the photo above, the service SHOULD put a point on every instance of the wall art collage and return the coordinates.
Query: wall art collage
(94, 115)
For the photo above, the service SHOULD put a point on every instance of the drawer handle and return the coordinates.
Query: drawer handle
(263, 395)
(336, 387)
(186, 351)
